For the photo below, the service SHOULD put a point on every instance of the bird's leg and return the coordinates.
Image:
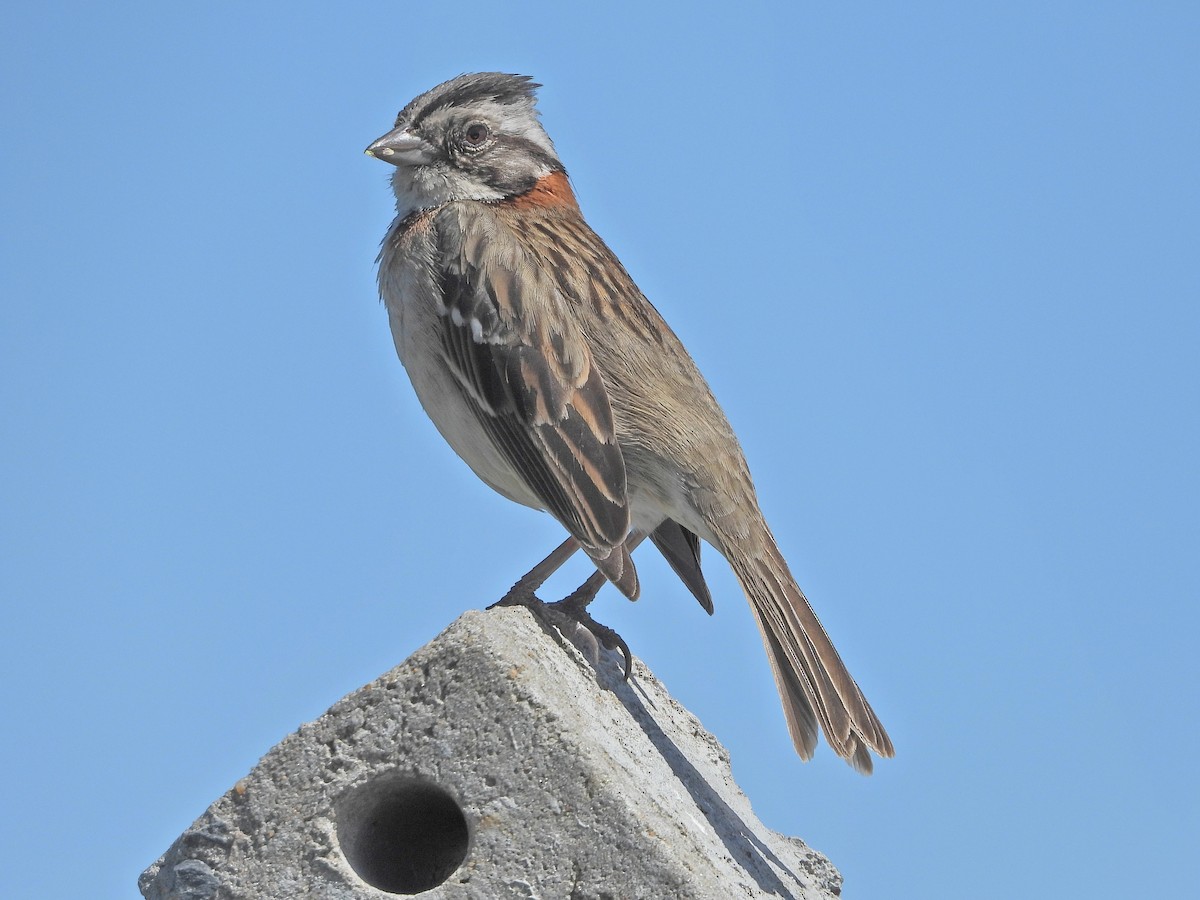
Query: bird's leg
(575, 605)
(571, 609)
(524, 591)
(570, 615)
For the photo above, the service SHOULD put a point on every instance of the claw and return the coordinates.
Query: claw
(573, 608)
(609, 639)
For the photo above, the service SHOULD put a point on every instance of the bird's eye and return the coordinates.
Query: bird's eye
(475, 135)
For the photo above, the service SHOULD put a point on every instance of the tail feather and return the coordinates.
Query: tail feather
(801, 717)
(681, 548)
(813, 682)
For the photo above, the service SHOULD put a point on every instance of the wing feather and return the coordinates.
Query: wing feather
(527, 372)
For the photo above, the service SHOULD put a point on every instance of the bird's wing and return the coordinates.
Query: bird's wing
(521, 362)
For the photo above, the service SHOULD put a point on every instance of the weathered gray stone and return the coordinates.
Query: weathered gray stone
(500, 742)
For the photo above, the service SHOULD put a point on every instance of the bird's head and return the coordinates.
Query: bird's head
(475, 137)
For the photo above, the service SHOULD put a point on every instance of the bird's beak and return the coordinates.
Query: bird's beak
(400, 148)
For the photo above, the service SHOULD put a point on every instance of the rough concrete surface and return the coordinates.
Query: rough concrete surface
(498, 740)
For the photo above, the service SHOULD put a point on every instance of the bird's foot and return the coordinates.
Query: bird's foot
(519, 596)
(574, 608)
(571, 618)
(523, 593)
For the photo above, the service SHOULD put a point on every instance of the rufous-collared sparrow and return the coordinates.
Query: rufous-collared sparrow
(552, 376)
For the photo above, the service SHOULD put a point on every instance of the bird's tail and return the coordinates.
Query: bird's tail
(814, 685)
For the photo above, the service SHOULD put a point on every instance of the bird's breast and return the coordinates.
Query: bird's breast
(409, 287)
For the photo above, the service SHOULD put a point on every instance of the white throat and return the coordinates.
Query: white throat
(427, 187)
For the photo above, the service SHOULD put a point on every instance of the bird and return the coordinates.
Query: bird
(548, 371)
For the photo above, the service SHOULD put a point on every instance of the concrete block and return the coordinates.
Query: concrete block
(495, 762)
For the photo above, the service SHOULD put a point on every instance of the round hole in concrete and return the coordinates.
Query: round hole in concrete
(401, 834)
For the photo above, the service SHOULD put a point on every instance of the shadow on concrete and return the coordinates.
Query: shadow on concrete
(743, 844)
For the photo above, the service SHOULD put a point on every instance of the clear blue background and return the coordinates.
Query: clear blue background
(938, 260)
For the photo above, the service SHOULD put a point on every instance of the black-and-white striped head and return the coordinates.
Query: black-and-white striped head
(475, 137)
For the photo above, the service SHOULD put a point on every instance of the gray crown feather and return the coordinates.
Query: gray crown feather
(494, 86)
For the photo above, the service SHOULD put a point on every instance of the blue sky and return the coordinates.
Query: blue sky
(938, 261)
